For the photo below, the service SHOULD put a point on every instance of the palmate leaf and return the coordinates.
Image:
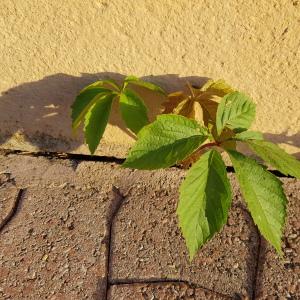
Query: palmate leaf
(112, 83)
(189, 109)
(173, 101)
(201, 104)
(165, 142)
(85, 100)
(218, 88)
(96, 120)
(225, 139)
(236, 111)
(209, 97)
(209, 108)
(228, 138)
(264, 196)
(106, 83)
(205, 197)
(133, 110)
(179, 103)
(248, 135)
(275, 156)
(148, 85)
(93, 104)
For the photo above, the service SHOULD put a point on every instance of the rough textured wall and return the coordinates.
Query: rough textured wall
(50, 49)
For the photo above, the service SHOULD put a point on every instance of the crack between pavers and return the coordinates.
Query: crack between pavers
(64, 156)
(120, 198)
(116, 205)
(98, 158)
(258, 252)
(12, 211)
(256, 273)
(165, 280)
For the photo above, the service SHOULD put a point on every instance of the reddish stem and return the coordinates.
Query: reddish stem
(208, 145)
(198, 151)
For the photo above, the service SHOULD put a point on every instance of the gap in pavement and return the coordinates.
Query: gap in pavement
(95, 158)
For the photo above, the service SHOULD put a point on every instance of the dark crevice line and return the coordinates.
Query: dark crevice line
(256, 272)
(162, 281)
(64, 156)
(116, 205)
(258, 251)
(12, 211)
(277, 173)
(99, 158)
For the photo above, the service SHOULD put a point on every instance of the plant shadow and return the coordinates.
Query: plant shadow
(35, 116)
(38, 113)
(284, 138)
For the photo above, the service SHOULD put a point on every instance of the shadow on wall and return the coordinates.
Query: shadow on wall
(283, 138)
(38, 113)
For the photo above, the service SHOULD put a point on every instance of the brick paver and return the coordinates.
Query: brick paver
(147, 243)
(165, 291)
(82, 227)
(8, 198)
(55, 247)
(280, 278)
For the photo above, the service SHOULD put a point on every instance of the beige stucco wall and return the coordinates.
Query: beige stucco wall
(50, 49)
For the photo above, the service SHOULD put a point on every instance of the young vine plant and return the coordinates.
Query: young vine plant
(94, 102)
(194, 129)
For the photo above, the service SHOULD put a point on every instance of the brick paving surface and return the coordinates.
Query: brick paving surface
(147, 243)
(8, 197)
(140, 291)
(281, 277)
(92, 230)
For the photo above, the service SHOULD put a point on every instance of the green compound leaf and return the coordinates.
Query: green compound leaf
(166, 141)
(148, 85)
(248, 135)
(109, 82)
(85, 100)
(219, 87)
(277, 157)
(106, 83)
(96, 120)
(133, 110)
(205, 197)
(264, 196)
(236, 111)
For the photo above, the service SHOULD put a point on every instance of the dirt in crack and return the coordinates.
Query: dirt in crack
(12, 212)
(118, 199)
